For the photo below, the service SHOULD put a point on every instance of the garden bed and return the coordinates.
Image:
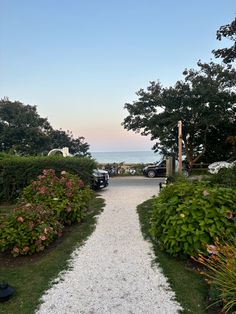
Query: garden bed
(31, 275)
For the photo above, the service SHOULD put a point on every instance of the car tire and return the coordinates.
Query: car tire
(151, 174)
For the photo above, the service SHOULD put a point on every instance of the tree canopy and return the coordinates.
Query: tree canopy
(24, 132)
(206, 103)
(227, 31)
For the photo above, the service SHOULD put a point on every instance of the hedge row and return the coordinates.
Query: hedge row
(18, 172)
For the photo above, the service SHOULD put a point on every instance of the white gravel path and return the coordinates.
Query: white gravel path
(112, 272)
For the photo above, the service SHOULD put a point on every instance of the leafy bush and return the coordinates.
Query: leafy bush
(221, 272)
(17, 172)
(45, 206)
(29, 229)
(187, 216)
(66, 196)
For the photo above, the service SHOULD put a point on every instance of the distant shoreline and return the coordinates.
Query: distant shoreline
(121, 152)
(127, 157)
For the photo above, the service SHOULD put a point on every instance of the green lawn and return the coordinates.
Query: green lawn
(190, 288)
(30, 276)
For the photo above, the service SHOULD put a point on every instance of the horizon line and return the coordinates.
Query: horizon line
(121, 151)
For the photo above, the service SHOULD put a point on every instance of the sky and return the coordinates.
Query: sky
(80, 61)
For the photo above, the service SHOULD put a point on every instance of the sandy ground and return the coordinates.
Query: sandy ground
(113, 272)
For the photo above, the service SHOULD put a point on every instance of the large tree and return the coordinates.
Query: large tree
(24, 132)
(228, 31)
(22, 129)
(206, 103)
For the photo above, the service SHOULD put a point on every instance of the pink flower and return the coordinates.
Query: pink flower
(26, 249)
(48, 172)
(47, 230)
(68, 209)
(16, 250)
(42, 190)
(69, 184)
(42, 237)
(20, 219)
(212, 249)
(45, 172)
(80, 184)
(63, 172)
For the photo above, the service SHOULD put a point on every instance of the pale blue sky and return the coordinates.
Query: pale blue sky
(79, 61)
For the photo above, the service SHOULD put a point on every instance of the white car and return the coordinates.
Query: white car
(216, 166)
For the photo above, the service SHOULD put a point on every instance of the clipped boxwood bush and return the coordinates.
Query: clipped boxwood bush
(65, 196)
(187, 216)
(17, 172)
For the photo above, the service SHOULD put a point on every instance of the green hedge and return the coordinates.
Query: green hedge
(18, 172)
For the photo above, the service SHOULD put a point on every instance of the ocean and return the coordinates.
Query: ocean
(131, 157)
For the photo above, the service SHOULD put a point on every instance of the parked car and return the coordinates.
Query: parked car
(100, 179)
(215, 167)
(155, 170)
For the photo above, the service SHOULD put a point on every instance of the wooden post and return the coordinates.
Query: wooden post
(180, 145)
(169, 166)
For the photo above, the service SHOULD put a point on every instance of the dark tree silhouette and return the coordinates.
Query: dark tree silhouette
(227, 31)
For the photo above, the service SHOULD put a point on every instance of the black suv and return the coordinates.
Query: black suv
(155, 170)
(100, 179)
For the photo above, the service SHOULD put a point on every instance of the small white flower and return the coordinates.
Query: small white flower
(182, 215)
(205, 193)
(55, 199)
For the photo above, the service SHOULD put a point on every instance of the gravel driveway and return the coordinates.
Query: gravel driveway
(112, 272)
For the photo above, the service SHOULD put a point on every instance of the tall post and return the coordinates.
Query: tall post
(180, 145)
(169, 166)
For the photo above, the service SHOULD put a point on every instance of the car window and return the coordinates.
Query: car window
(162, 163)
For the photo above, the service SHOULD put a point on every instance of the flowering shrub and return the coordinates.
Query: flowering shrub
(45, 206)
(29, 229)
(221, 272)
(187, 216)
(66, 196)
